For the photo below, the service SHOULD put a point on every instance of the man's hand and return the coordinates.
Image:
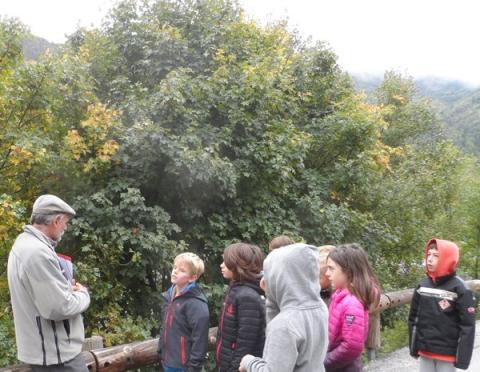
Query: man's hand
(76, 286)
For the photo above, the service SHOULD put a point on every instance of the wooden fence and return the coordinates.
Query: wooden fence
(144, 353)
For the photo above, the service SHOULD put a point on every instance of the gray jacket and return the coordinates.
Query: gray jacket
(297, 337)
(47, 312)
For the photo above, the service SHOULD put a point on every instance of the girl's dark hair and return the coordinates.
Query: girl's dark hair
(245, 261)
(362, 281)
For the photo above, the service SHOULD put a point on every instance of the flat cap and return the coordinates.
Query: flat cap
(51, 204)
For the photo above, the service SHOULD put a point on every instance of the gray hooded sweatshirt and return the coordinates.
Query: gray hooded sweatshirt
(297, 337)
(46, 311)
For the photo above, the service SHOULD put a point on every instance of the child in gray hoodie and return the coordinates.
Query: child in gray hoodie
(297, 338)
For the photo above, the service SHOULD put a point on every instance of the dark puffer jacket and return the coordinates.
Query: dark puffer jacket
(241, 328)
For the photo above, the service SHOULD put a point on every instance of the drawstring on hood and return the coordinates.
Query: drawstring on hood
(448, 256)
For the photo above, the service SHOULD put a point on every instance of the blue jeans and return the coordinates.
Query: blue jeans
(170, 369)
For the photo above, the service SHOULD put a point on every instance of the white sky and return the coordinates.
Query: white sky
(417, 37)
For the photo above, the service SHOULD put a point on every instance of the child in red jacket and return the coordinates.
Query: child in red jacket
(356, 292)
(441, 323)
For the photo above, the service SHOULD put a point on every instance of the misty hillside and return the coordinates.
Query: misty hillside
(33, 47)
(457, 103)
(462, 120)
(442, 90)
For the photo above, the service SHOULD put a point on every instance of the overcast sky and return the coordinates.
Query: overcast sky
(417, 37)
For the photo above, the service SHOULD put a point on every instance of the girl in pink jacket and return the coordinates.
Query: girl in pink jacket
(356, 292)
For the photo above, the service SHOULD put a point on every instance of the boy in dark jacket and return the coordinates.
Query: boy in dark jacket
(441, 323)
(184, 330)
(241, 328)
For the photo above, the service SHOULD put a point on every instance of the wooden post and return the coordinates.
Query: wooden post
(212, 338)
(93, 343)
(373, 340)
(124, 357)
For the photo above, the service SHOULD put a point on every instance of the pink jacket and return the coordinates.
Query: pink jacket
(347, 332)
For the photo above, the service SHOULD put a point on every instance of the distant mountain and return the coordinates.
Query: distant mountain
(438, 89)
(442, 90)
(33, 47)
(457, 104)
(462, 119)
(366, 82)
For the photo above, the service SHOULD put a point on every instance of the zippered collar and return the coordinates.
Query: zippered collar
(339, 295)
(254, 285)
(439, 280)
(191, 290)
(30, 229)
(185, 289)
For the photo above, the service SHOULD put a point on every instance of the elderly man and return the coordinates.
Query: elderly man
(46, 306)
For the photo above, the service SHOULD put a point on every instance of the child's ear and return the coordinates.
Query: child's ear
(193, 278)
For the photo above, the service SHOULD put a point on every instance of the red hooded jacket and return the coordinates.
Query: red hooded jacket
(442, 313)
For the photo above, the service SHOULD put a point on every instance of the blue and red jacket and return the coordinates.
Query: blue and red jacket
(184, 329)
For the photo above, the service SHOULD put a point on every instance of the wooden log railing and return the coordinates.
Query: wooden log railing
(144, 353)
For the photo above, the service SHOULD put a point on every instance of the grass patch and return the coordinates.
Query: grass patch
(394, 337)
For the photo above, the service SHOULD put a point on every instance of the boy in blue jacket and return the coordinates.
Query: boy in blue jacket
(184, 329)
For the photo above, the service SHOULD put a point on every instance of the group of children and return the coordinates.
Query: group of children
(290, 329)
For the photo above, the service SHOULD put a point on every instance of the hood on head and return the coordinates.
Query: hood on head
(292, 276)
(448, 255)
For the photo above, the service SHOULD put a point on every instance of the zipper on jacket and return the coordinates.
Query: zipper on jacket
(165, 326)
(54, 327)
(458, 348)
(39, 326)
(219, 346)
(182, 348)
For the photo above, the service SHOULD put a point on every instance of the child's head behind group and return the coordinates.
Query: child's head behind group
(279, 241)
(324, 251)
